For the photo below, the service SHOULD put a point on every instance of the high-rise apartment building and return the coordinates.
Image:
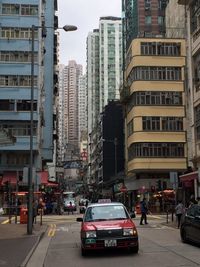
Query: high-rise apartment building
(143, 18)
(82, 107)
(17, 18)
(153, 94)
(92, 78)
(72, 73)
(110, 59)
(191, 15)
(61, 144)
(155, 113)
(104, 72)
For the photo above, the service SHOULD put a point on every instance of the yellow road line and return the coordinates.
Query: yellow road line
(52, 230)
(7, 221)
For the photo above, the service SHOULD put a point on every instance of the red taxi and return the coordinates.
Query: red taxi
(108, 225)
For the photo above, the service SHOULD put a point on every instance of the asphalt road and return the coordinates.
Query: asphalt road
(160, 245)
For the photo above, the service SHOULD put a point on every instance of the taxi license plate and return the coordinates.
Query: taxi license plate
(110, 243)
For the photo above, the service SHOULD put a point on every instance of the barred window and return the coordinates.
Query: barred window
(10, 9)
(17, 80)
(160, 48)
(151, 123)
(172, 124)
(130, 128)
(169, 150)
(29, 10)
(17, 33)
(151, 73)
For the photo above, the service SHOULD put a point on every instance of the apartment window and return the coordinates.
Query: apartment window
(160, 20)
(16, 56)
(10, 9)
(162, 4)
(156, 150)
(130, 128)
(154, 74)
(17, 33)
(151, 123)
(148, 20)
(20, 129)
(172, 124)
(160, 48)
(7, 105)
(147, 4)
(25, 105)
(16, 80)
(155, 98)
(29, 10)
(17, 159)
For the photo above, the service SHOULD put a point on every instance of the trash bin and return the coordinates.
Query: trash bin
(23, 215)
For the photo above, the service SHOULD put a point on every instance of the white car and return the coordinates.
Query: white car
(69, 205)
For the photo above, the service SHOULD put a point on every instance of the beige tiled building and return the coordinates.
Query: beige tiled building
(155, 112)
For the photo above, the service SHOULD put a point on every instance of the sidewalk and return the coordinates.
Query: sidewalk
(16, 245)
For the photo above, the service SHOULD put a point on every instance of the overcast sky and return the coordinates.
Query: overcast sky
(85, 15)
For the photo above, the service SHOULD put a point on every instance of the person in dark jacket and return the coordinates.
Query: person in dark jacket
(144, 211)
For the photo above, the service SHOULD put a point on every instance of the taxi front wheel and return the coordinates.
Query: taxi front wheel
(134, 249)
(83, 252)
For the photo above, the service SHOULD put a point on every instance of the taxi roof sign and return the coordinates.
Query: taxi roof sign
(104, 200)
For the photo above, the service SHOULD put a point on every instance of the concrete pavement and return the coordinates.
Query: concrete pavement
(16, 246)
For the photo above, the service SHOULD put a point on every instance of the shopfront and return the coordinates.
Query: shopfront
(190, 185)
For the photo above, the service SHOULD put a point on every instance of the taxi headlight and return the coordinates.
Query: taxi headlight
(129, 231)
(90, 234)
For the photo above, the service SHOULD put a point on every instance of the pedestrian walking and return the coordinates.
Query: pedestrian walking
(144, 211)
(179, 212)
(70, 208)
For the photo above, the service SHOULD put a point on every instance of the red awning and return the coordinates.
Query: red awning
(189, 176)
(44, 179)
(10, 177)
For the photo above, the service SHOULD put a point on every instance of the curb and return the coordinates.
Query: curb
(26, 260)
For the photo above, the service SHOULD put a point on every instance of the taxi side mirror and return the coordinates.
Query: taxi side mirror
(132, 214)
(79, 219)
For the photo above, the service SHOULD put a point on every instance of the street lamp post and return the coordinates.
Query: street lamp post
(30, 177)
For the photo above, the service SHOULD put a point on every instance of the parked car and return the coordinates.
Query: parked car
(190, 224)
(69, 205)
(107, 225)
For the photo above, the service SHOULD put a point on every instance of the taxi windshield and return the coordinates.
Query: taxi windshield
(104, 213)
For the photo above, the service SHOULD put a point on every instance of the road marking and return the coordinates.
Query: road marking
(7, 221)
(52, 230)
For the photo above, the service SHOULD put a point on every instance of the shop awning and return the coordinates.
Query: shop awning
(189, 176)
(10, 177)
(44, 176)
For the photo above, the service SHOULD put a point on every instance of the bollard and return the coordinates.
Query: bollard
(172, 215)
(41, 211)
(167, 216)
